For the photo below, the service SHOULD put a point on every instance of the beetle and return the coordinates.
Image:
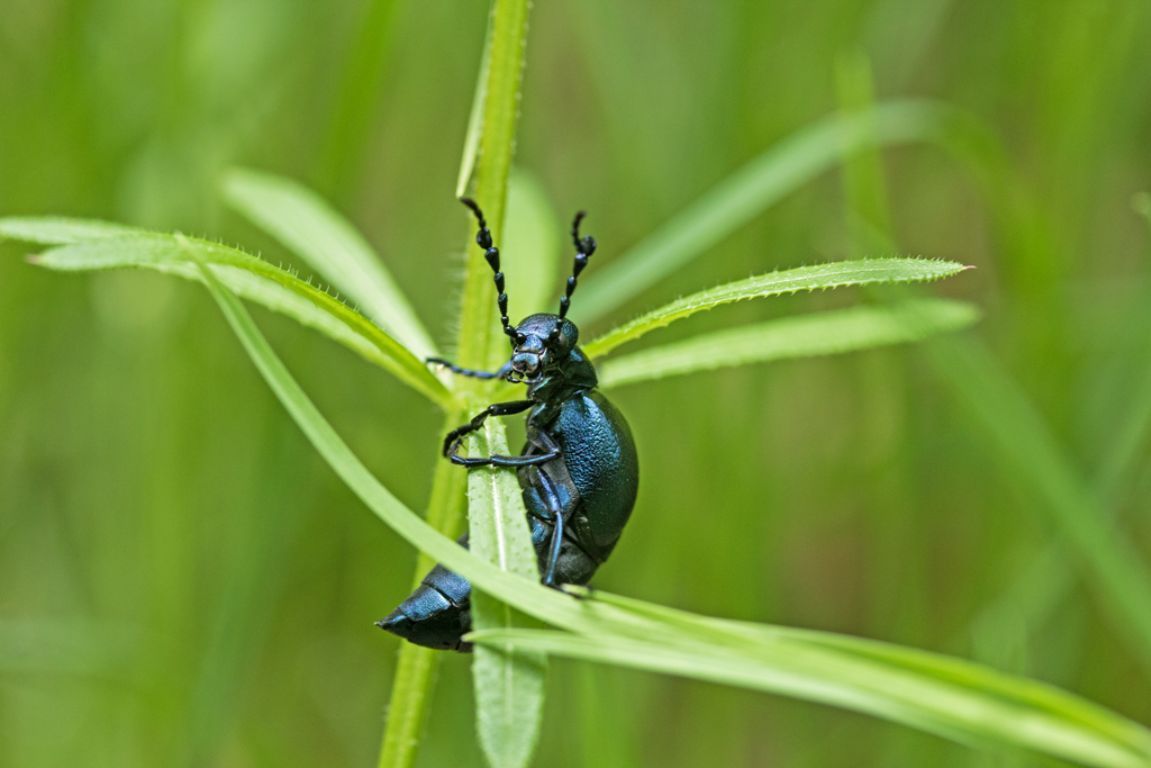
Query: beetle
(578, 470)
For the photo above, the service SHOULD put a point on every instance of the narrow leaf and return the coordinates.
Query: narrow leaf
(509, 683)
(811, 278)
(824, 333)
(749, 191)
(956, 700)
(257, 281)
(54, 230)
(309, 227)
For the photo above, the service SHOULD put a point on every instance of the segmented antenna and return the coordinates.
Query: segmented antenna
(492, 255)
(585, 247)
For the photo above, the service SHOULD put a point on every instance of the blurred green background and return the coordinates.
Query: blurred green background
(182, 582)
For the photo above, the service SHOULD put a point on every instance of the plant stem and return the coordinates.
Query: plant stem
(415, 669)
(479, 341)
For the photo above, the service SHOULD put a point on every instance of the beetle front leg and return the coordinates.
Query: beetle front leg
(453, 439)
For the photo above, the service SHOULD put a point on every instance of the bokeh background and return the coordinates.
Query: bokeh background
(182, 582)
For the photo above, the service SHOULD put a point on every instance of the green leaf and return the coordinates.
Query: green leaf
(811, 278)
(310, 228)
(749, 191)
(824, 333)
(509, 683)
(258, 281)
(955, 699)
(56, 230)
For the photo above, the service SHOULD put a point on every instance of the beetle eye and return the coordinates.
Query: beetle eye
(520, 338)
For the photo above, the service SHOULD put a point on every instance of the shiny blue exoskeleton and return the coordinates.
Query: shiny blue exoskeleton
(578, 468)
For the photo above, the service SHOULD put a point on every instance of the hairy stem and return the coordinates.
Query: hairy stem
(487, 163)
(415, 669)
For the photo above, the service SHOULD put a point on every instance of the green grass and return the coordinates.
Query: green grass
(185, 583)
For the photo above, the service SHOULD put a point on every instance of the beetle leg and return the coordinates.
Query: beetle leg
(504, 461)
(471, 372)
(549, 579)
(453, 439)
(526, 460)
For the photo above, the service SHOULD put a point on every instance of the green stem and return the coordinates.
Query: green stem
(416, 666)
(480, 340)
(487, 161)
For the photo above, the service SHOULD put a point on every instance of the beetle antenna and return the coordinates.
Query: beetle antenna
(585, 247)
(492, 255)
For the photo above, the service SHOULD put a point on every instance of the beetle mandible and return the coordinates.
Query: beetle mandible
(578, 469)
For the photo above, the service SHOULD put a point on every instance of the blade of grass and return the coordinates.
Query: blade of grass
(824, 333)
(258, 281)
(811, 278)
(305, 224)
(749, 191)
(973, 703)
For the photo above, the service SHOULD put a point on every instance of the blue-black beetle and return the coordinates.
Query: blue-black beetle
(578, 469)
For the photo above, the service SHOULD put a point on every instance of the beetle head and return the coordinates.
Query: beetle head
(541, 342)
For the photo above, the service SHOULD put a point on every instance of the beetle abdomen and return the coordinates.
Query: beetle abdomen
(438, 613)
